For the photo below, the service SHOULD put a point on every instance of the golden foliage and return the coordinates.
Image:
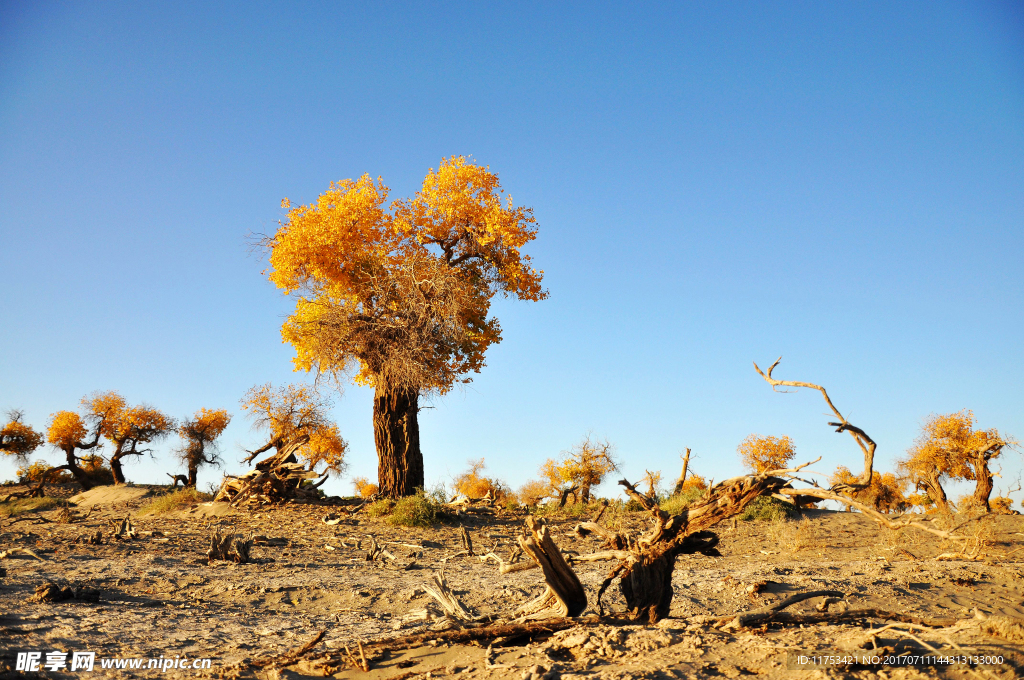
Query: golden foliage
(97, 469)
(762, 454)
(206, 425)
(33, 473)
(1002, 505)
(534, 491)
(946, 445)
(583, 466)
(66, 430)
(199, 434)
(126, 426)
(325, 447)
(694, 482)
(18, 439)
(886, 492)
(472, 484)
(400, 294)
(364, 487)
(652, 480)
(295, 411)
(286, 412)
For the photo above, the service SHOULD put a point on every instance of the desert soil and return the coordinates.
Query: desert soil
(159, 596)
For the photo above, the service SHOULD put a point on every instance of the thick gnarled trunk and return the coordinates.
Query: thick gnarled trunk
(933, 487)
(984, 484)
(396, 432)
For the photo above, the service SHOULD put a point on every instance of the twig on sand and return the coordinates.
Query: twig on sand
(294, 655)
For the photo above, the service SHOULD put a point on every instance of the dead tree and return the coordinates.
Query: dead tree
(276, 479)
(682, 478)
(645, 574)
(865, 442)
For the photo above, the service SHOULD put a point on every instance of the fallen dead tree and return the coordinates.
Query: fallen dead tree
(843, 493)
(277, 479)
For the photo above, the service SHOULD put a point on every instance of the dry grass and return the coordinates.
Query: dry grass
(18, 506)
(176, 500)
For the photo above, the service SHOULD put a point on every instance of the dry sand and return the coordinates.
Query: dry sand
(159, 597)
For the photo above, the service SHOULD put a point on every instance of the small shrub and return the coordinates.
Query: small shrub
(680, 502)
(18, 506)
(175, 500)
(381, 508)
(768, 509)
(568, 510)
(99, 472)
(419, 510)
(1002, 505)
(533, 492)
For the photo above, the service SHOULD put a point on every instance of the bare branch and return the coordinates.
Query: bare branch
(865, 442)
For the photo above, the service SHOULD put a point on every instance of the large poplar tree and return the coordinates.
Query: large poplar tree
(397, 297)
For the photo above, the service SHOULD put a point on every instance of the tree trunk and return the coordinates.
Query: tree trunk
(115, 467)
(645, 577)
(935, 491)
(983, 487)
(193, 473)
(682, 478)
(396, 432)
(80, 475)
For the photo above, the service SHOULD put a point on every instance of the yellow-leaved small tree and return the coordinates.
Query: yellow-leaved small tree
(199, 438)
(18, 439)
(764, 453)
(950, 448)
(129, 429)
(886, 493)
(580, 468)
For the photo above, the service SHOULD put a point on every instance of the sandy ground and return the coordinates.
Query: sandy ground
(160, 598)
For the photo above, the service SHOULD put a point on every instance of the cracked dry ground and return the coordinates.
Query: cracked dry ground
(160, 597)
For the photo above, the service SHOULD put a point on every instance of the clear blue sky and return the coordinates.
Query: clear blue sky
(841, 184)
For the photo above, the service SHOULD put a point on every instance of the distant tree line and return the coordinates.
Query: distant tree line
(106, 432)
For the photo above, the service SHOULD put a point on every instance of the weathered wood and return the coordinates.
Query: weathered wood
(451, 604)
(682, 478)
(564, 594)
(229, 547)
(645, 576)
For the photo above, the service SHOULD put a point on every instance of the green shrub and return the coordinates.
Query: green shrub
(679, 503)
(381, 508)
(419, 510)
(768, 509)
(175, 500)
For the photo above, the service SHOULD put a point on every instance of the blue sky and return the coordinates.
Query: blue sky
(841, 184)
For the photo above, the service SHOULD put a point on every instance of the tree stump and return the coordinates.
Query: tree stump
(564, 594)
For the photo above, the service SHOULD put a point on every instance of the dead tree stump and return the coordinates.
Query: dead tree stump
(564, 594)
(645, 576)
